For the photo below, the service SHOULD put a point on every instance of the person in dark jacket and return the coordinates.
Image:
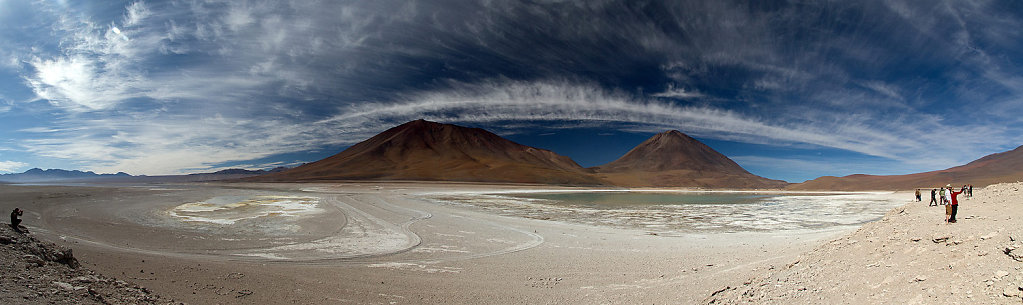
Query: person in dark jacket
(15, 221)
(934, 202)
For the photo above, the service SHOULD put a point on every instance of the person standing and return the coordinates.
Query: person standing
(917, 194)
(955, 204)
(969, 192)
(948, 208)
(934, 201)
(948, 194)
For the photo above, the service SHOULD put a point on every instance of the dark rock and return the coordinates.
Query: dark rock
(32, 259)
(1011, 252)
(63, 283)
(244, 293)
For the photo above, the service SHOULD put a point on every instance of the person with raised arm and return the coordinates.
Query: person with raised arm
(954, 203)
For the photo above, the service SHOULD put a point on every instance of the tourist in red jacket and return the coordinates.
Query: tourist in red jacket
(955, 204)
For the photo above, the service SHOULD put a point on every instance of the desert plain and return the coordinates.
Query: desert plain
(407, 243)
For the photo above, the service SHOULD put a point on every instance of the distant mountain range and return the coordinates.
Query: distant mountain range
(60, 175)
(429, 151)
(991, 169)
(41, 175)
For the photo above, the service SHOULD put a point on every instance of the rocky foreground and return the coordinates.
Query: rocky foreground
(34, 272)
(908, 257)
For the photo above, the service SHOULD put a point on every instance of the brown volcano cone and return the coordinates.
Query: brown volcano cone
(672, 158)
(423, 150)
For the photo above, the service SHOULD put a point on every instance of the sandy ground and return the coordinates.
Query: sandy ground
(382, 244)
(910, 256)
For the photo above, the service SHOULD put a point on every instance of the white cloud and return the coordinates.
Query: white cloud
(99, 70)
(157, 145)
(238, 17)
(259, 166)
(93, 70)
(5, 104)
(8, 60)
(40, 130)
(680, 93)
(11, 166)
(884, 89)
(75, 83)
(136, 13)
(100, 67)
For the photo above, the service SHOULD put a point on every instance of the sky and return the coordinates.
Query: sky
(790, 90)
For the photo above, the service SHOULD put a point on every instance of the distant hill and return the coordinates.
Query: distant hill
(672, 158)
(429, 151)
(224, 174)
(991, 169)
(243, 172)
(41, 175)
(60, 175)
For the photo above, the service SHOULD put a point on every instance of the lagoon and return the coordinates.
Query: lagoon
(667, 213)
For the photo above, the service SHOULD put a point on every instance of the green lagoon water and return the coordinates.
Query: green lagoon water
(689, 211)
(635, 199)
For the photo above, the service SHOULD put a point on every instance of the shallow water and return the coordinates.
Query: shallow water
(226, 210)
(683, 212)
(633, 199)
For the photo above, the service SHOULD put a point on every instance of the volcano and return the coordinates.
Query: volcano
(672, 158)
(427, 151)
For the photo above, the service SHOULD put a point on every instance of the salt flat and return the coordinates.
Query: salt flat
(383, 243)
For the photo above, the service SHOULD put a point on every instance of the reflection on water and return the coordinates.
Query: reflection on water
(688, 212)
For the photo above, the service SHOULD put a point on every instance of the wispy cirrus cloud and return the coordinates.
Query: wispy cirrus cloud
(909, 138)
(11, 166)
(100, 66)
(166, 146)
(679, 93)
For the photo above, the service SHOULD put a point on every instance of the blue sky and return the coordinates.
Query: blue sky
(789, 90)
